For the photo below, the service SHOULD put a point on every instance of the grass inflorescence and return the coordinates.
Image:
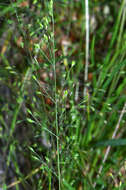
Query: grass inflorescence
(62, 94)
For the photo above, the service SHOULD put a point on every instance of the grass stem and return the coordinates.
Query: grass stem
(87, 46)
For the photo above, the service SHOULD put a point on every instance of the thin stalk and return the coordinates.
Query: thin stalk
(56, 104)
(24, 179)
(87, 46)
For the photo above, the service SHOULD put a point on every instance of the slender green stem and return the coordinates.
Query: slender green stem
(56, 104)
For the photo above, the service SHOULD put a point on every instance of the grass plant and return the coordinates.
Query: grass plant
(62, 95)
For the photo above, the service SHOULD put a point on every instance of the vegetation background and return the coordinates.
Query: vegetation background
(51, 135)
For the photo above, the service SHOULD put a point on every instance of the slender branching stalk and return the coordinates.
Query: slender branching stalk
(56, 104)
